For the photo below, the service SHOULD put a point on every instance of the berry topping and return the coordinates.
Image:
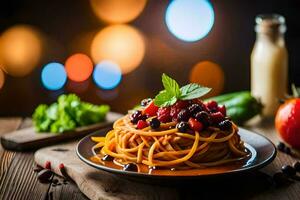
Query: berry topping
(163, 114)
(225, 125)
(176, 108)
(183, 115)
(151, 109)
(204, 118)
(136, 116)
(107, 158)
(145, 102)
(195, 125)
(141, 124)
(182, 126)
(130, 167)
(212, 105)
(222, 109)
(154, 123)
(217, 117)
(194, 108)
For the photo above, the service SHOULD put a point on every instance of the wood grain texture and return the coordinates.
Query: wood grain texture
(17, 181)
(7, 125)
(97, 184)
(20, 181)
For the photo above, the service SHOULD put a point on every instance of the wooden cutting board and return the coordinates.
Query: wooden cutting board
(97, 184)
(26, 139)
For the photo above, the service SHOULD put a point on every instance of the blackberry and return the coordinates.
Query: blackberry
(107, 158)
(130, 167)
(281, 146)
(195, 108)
(288, 170)
(145, 102)
(182, 126)
(183, 115)
(225, 125)
(154, 123)
(204, 118)
(136, 116)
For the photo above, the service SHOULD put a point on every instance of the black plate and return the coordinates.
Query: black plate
(262, 149)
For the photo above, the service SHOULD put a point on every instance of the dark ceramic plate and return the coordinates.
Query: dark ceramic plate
(262, 150)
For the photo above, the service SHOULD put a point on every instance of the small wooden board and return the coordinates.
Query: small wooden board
(98, 184)
(28, 139)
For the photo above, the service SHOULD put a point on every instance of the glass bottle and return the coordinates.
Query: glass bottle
(269, 62)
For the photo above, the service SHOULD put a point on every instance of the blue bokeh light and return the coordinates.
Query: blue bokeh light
(190, 20)
(107, 75)
(54, 76)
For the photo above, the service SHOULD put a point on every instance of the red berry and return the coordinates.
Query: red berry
(222, 109)
(217, 117)
(181, 104)
(141, 124)
(151, 109)
(61, 166)
(212, 105)
(195, 125)
(48, 165)
(177, 107)
(163, 114)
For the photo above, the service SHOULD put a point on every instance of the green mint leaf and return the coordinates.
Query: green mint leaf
(170, 102)
(193, 91)
(171, 86)
(164, 99)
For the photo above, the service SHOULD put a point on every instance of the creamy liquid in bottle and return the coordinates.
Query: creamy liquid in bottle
(269, 62)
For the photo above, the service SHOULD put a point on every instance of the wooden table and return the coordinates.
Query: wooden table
(18, 181)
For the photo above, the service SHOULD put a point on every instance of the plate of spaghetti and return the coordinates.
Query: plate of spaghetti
(176, 135)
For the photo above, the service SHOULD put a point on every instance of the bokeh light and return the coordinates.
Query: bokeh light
(54, 76)
(107, 75)
(20, 50)
(118, 11)
(79, 67)
(2, 78)
(122, 44)
(208, 74)
(190, 20)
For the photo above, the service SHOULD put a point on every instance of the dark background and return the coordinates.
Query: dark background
(229, 44)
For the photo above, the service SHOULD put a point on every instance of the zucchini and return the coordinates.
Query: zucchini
(240, 106)
(225, 97)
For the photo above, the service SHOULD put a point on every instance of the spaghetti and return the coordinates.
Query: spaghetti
(169, 148)
(175, 130)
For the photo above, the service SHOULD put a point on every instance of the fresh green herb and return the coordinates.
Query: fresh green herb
(66, 114)
(172, 92)
(193, 91)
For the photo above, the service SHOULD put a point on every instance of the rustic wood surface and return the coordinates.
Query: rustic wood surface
(97, 184)
(18, 181)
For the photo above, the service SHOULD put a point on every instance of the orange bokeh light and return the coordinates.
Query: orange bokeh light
(208, 74)
(79, 67)
(118, 11)
(122, 44)
(2, 78)
(20, 50)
